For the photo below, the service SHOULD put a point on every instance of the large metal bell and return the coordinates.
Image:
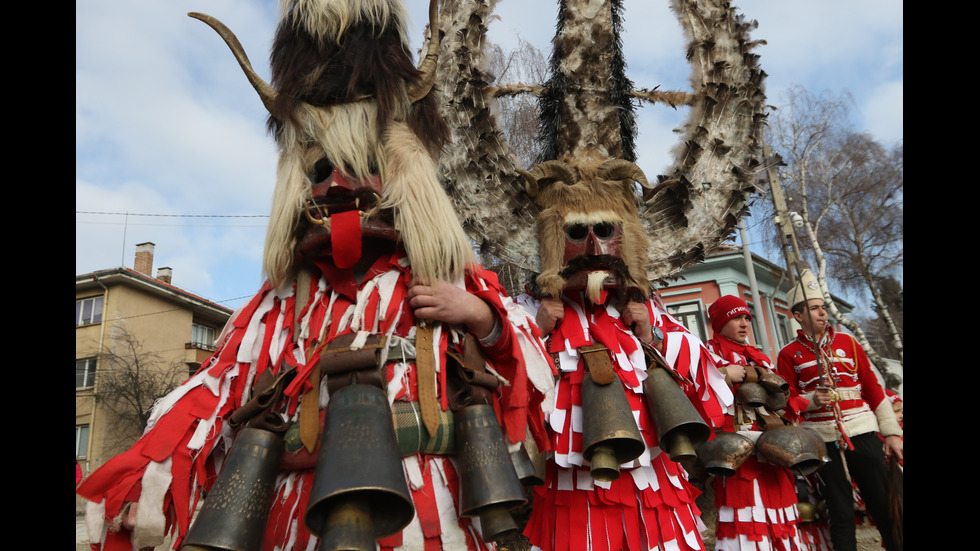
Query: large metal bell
(798, 449)
(610, 436)
(808, 512)
(725, 453)
(776, 401)
(752, 395)
(488, 483)
(359, 494)
(529, 463)
(773, 383)
(236, 510)
(680, 428)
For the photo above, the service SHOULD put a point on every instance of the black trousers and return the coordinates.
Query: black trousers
(866, 463)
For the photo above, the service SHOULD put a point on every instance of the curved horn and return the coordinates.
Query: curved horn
(619, 169)
(428, 66)
(548, 170)
(266, 92)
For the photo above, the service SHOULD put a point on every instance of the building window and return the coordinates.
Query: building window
(784, 331)
(88, 310)
(756, 318)
(84, 373)
(202, 336)
(690, 316)
(192, 368)
(81, 441)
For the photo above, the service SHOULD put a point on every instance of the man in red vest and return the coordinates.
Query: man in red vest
(848, 407)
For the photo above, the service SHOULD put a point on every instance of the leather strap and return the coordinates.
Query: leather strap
(467, 380)
(766, 419)
(425, 366)
(309, 407)
(598, 364)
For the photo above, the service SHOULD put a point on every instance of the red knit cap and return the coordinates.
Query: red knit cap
(725, 309)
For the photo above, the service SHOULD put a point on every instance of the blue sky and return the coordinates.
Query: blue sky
(167, 125)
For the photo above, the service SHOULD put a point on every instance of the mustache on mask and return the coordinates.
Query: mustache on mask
(606, 262)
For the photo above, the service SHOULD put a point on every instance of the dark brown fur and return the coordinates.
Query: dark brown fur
(366, 62)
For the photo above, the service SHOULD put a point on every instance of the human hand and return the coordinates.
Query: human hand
(550, 313)
(823, 397)
(129, 511)
(636, 316)
(736, 372)
(443, 301)
(894, 445)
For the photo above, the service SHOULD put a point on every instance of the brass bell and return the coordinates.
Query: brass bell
(610, 436)
(236, 510)
(808, 513)
(680, 428)
(725, 453)
(798, 449)
(751, 395)
(776, 401)
(488, 484)
(773, 383)
(359, 494)
(528, 463)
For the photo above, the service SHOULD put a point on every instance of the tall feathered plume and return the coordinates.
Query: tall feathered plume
(478, 169)
(717, 162)
(691, 210)
(586, 110)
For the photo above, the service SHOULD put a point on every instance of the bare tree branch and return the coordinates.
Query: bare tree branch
(129, 379)
(848, 190)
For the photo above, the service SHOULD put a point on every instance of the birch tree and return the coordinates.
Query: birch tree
(865, 243)
(847, 189)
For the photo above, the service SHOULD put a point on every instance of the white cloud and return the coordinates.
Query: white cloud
(166, 122)
(882, 113)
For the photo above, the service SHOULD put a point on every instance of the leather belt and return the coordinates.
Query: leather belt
(425, 367)
(598, 364)
(309, 406)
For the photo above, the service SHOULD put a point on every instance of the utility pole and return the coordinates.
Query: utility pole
(754, 287)
(786, 234)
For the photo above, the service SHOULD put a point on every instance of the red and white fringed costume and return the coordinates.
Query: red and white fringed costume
(183, 448)
(651, 505)
(757, 505)
(815, 535)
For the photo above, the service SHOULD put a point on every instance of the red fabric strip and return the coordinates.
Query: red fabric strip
(345, 238)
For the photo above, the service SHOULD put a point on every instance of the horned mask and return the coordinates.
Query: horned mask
(590, 234)
(357, 130)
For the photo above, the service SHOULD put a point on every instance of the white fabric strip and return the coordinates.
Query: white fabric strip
(150, 521)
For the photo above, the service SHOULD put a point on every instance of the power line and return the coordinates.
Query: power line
(178, 225)
(174, 215)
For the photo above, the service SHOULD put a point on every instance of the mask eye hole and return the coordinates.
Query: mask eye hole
(577, 232)
(604, 230)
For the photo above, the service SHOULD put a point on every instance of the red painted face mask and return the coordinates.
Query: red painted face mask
(340, 214)
(603, 238)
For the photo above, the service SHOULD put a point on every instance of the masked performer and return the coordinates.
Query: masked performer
(372, 289)
(757, 504)
(606, 328)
